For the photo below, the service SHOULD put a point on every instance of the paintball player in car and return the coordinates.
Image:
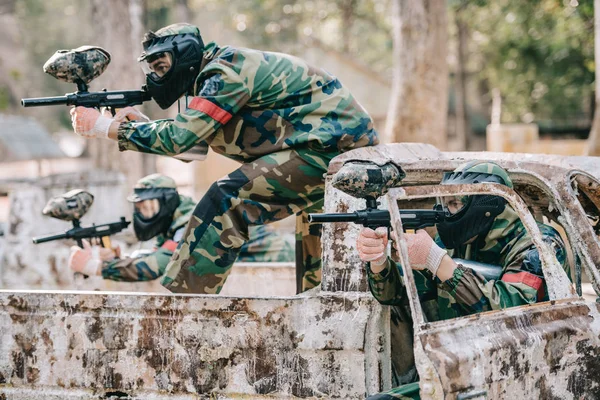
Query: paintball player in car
(161, 212)
(481, 228)
(281, 118)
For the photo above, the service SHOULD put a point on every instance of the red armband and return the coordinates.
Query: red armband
(170, 245)
(528, 279)
(211, 109)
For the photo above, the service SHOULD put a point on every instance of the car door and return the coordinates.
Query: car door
(548, 350)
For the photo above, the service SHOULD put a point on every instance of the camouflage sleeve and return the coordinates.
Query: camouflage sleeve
(388, 287)
(521, 283)
(146, 268)
(222, 95)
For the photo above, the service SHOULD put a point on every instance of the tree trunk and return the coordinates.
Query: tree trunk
(119, 29)
(347, 8)
(593, 147)
(462, 118)
(183, 12)
(419, 101)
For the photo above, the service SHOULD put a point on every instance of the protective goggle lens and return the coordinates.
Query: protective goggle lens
(454, 204)
(148, 208)
(157, 65)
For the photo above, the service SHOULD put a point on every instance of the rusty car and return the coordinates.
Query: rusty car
(334, 341)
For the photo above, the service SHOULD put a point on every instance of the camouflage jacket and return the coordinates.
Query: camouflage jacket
(251, 103)
(267, 245)
(264, 245)
(507, 244)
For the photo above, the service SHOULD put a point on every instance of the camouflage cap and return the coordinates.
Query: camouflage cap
(178, 29)
(154, 181)
(69, 206)
(485, 171)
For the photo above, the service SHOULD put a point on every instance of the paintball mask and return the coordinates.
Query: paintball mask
(171, 61)
(471, 216)
(155, 200)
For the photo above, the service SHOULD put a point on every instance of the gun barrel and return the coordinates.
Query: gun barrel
(323, 218)
(44, 101)
(49, 238)
(419, 219)
(117, 99)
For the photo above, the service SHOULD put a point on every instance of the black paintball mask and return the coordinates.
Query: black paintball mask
(171, 64)
(147, 227)
(471, 216)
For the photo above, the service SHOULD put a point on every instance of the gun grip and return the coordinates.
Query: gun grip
(105, 242)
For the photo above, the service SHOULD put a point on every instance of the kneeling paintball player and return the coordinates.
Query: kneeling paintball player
(161, 212)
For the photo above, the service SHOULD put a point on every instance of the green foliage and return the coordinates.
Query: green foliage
(15, 74)
(358, 28)
(4, 98)
(539, 53)
(47, 26)
(158, 13)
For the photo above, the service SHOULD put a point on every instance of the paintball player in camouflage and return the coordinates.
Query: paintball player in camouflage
(161, 212)
(480, 228)
(281, 118)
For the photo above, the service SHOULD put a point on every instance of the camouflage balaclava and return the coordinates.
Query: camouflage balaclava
(182, 44)
(162, 188)
(478, 212)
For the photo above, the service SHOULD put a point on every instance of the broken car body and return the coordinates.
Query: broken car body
(334, 341)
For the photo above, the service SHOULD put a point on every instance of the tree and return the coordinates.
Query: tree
(119, 30)
(460, 79)
(593, 147)
(419, 100)
(539, 54)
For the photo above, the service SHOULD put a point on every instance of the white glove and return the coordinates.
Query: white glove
(89, 123)
(84, 261)
(372, 244)
(423, 253)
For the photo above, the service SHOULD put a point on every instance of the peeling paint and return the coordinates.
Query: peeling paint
(332, 342)
(179, 345)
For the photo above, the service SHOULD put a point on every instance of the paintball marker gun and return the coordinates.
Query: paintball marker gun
(71, 206)
(81, 66)
(370, 181)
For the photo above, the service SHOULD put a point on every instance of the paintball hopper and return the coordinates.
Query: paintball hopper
(365, 179)
(70, 206)
(368, 180)
(80, 65)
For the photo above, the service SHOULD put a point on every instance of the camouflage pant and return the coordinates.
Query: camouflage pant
(266, 190)
(405, 392)
(308, 250)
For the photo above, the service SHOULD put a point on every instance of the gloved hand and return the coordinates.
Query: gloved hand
(82, 260)
(423, 253)
(89, 123)
(107, 254)
(130, 114)
(371, 245)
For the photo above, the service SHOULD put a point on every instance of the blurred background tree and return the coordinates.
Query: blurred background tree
(539, 54)
(419, 99)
